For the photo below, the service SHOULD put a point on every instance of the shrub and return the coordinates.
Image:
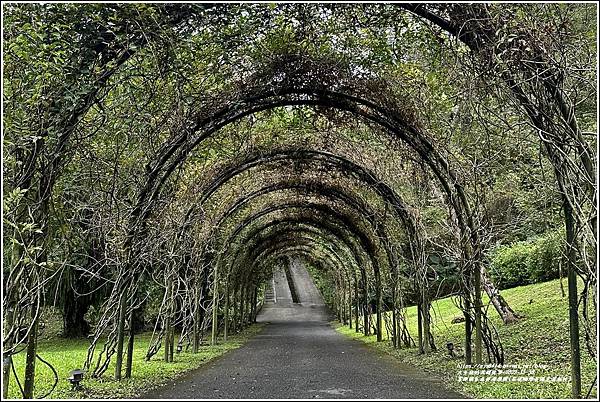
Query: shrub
(527, 262)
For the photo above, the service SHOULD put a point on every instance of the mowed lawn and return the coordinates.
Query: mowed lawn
(540, 337)
(68, 354)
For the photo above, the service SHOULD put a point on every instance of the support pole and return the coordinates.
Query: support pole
(130, 344)
(468, 332)
(349, 304)
(573, 313)
(167, 339)
(420, 326)
(242, 307)
(197, 312)
(226, 314)
(478, 307)
(9, 313)
(247, 306)
(196, 343)
(356, 307)
(168, 326)
(7, 356)
(215, 307)
(120, 333)
(394, 318)
(171, 343)
(29, 384)
(367, 330)
(426, 326)
(234, 313)
(254, 304)
(379, 322)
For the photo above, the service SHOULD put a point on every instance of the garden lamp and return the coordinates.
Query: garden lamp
(76, 378)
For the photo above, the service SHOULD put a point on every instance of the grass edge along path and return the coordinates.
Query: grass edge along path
(68, 354)
(541, 337)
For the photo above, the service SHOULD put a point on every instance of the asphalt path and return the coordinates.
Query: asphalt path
(298, 355)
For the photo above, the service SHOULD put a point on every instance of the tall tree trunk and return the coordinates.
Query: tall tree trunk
(394, 308)
(74, 311)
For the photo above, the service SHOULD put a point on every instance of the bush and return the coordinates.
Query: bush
(528, 262)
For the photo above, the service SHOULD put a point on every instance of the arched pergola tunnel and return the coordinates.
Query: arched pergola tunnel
(381, 189)
(314, 188)
(320, 218)
(236, 242)
(292, 93)
(369, 249)
(314, 84)
(330, 193)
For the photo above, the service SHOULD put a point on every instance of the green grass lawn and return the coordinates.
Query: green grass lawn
(541, 337)
(68, 354)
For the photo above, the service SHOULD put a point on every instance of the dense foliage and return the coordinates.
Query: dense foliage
(528, 262)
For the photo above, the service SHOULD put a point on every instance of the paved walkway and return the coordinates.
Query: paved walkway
(299, 356)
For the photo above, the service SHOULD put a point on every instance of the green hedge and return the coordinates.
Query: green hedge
(528, 262)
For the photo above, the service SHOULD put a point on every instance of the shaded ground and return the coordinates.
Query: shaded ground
(298, 355)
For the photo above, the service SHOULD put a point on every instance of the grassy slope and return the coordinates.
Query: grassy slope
(66, 355)
(542, 336)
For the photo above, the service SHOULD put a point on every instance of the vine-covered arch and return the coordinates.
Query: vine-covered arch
(331, 160)
(290, 80)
